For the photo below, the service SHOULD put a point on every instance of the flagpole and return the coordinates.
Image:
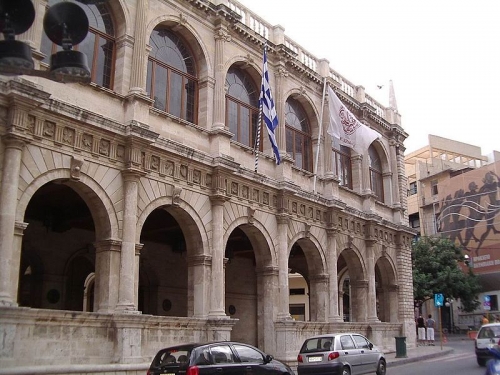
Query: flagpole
(257, 141)
(319, 135)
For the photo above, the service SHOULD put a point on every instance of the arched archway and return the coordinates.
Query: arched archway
(169, 261)
(350, 267)
(387, 290)
(57, 252)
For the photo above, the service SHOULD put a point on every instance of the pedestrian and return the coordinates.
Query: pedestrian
(421, 330)
(485, 320)
(497, 319)
(431, 324)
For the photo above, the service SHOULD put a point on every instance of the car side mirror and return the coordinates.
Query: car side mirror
(268, 358)
(370, 345)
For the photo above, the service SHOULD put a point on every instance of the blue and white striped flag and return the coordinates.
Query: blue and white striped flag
(268, 109)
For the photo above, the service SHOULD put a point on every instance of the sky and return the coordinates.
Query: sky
(443, 57)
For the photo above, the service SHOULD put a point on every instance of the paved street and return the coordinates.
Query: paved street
(457, 357)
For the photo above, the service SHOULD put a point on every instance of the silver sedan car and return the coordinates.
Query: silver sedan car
(340, 354)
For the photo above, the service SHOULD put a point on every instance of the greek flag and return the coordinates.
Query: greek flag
(268, 109)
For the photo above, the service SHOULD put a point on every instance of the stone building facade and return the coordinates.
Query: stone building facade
(133, 215)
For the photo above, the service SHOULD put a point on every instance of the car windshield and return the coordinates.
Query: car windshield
(317, 344)
(175, 356)
(489, 332)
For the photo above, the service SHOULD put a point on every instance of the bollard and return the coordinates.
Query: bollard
(401, 347)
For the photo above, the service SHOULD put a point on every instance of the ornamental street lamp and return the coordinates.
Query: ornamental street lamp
(65, 24)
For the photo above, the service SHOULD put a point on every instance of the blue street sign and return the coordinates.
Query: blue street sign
(438, 300)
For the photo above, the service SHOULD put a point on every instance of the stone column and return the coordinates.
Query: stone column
(20, 227)
(359, 296)
(199, 275)
(405, 283)
(392, 294)
(8, 203)
(267, 286)
(334, 311)
(126, 293)
(357, 174)
(319, 297)
(279, 102)
(107, 273)
(341, 305)
(282, 247)
(139, 55)
(217, 294)
(221, 37)
(33, 35)
(372, 292)
(396, 201)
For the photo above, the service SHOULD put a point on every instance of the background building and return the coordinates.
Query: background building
(133, 216)
(453, 191)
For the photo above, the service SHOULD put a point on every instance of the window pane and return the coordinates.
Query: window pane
(160, 91)
(189, 98)
(232, 118)
(245, 126)
(87, 47)
(104, 62)
(289, 142)
(248, 354)
(299, 146)
(175, 91)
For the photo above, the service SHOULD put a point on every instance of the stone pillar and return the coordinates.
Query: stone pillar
(139, 56)
(396, 201)
(405, 289)
(372, 292)
(266, 293)
(217, 286)
(199, 291)
(16, 257)
(8, 203)
(340, 304)
(279, 102)
(138, 248)
(392, 296)
(335, 314)
(221, 37)
(357, 174)
(282, 248)
(107, 273)
(319, 297)
(33, 35)
(126, 293)
(359, 296)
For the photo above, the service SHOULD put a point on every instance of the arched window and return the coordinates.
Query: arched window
(342, 166)
(172, 80)
(376, 178)
(98, 46)
(298, 138)
(242, 106)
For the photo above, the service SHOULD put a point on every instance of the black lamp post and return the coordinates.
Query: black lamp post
(65, 24)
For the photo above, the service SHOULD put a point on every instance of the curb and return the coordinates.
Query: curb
(404, 361)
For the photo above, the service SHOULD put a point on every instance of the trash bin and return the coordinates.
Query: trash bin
(401, 347)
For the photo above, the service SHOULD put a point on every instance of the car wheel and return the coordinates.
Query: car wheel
(346, 371)
(481, 361)
(381, 367)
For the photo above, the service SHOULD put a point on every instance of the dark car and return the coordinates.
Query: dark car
(340, 354)
(221, 358)
(488, 335)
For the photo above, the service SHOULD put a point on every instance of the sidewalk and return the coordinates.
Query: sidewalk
(422, 352)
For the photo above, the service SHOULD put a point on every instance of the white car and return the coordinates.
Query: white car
(488, 335)
(340, 354)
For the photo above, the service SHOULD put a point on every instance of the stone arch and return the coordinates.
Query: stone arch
(307, 103)
(259, 237)
(121, 18)
(99, 203)
(312, 248)
(250, 67)
(386, 290)
(192, 38)
(186, 215)
(351, 261)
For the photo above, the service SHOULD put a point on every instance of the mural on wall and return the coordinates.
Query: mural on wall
(469, 214)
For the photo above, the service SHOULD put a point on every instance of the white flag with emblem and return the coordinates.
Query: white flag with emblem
(347, 128)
